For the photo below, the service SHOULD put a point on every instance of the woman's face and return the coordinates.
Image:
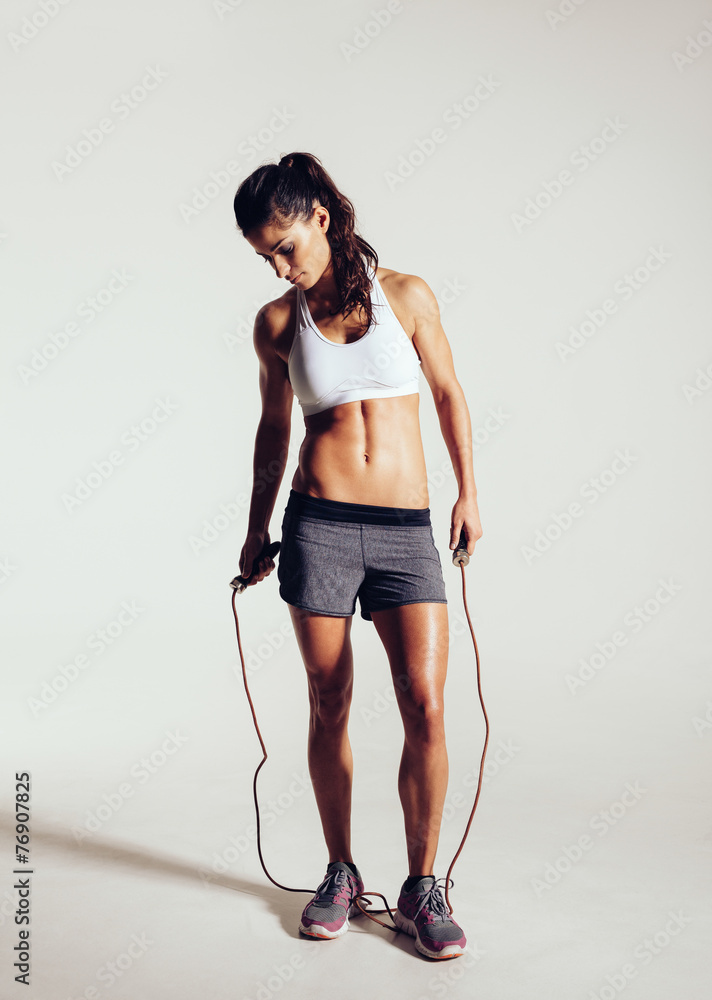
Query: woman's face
(300, 253)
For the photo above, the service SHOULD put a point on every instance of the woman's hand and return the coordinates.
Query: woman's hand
(465, 517)
(249, 567)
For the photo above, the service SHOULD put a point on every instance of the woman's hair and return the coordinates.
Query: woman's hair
(280, 193)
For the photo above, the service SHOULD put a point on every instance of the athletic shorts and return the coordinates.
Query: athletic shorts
(333, 552)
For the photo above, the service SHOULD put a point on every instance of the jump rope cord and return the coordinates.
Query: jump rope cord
(364, 895)
(484, 748)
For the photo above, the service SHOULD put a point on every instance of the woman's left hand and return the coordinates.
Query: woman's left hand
(465, 517)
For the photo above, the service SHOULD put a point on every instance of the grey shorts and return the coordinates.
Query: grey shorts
(333, 552)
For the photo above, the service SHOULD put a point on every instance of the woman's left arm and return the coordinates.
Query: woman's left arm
(435, 355)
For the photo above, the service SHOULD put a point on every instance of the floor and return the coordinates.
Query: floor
(584, 873)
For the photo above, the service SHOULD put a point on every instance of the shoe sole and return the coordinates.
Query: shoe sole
(315, 931)
(404, 924)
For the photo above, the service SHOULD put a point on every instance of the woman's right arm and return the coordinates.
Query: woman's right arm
(271, 444)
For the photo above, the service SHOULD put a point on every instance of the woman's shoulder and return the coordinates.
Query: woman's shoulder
(408, 285)
(276, 317)
(280, 307)
(408, 293)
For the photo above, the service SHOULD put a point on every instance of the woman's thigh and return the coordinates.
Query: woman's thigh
(416, 640)
(325, 645)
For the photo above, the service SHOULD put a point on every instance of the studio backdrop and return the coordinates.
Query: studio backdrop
(544, 167)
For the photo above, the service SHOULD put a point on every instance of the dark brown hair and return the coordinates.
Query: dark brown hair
(280, 193)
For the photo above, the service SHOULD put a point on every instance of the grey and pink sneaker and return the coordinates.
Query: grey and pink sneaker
(424, 913)
(327, 915)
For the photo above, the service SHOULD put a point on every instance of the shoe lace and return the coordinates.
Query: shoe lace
(433, 900)
(329, 888)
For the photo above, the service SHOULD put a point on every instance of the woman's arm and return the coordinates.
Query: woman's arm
(437, 365)
(271, 445)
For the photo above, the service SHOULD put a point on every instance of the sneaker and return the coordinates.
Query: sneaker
(424, 913)
(327, 915)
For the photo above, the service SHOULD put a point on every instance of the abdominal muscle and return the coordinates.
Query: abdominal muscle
(367, 452)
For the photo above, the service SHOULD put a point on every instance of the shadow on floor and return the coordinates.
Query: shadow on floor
(117, 853)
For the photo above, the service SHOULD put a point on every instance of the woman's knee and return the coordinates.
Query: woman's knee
(330, 701)
(423, 715)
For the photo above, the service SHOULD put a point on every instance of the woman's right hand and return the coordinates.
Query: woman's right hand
(256, 571)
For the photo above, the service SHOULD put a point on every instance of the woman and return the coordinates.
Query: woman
(349, 339)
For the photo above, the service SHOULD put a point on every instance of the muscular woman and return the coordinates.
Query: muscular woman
(350, 339)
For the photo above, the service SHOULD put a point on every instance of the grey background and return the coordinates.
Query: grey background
(175, 861)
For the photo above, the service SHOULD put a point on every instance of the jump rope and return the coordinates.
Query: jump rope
(460, 558)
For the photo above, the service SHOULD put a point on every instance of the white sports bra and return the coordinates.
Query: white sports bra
(381, 363)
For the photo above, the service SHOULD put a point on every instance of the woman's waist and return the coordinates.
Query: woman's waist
(375, 483)
(348, 512)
